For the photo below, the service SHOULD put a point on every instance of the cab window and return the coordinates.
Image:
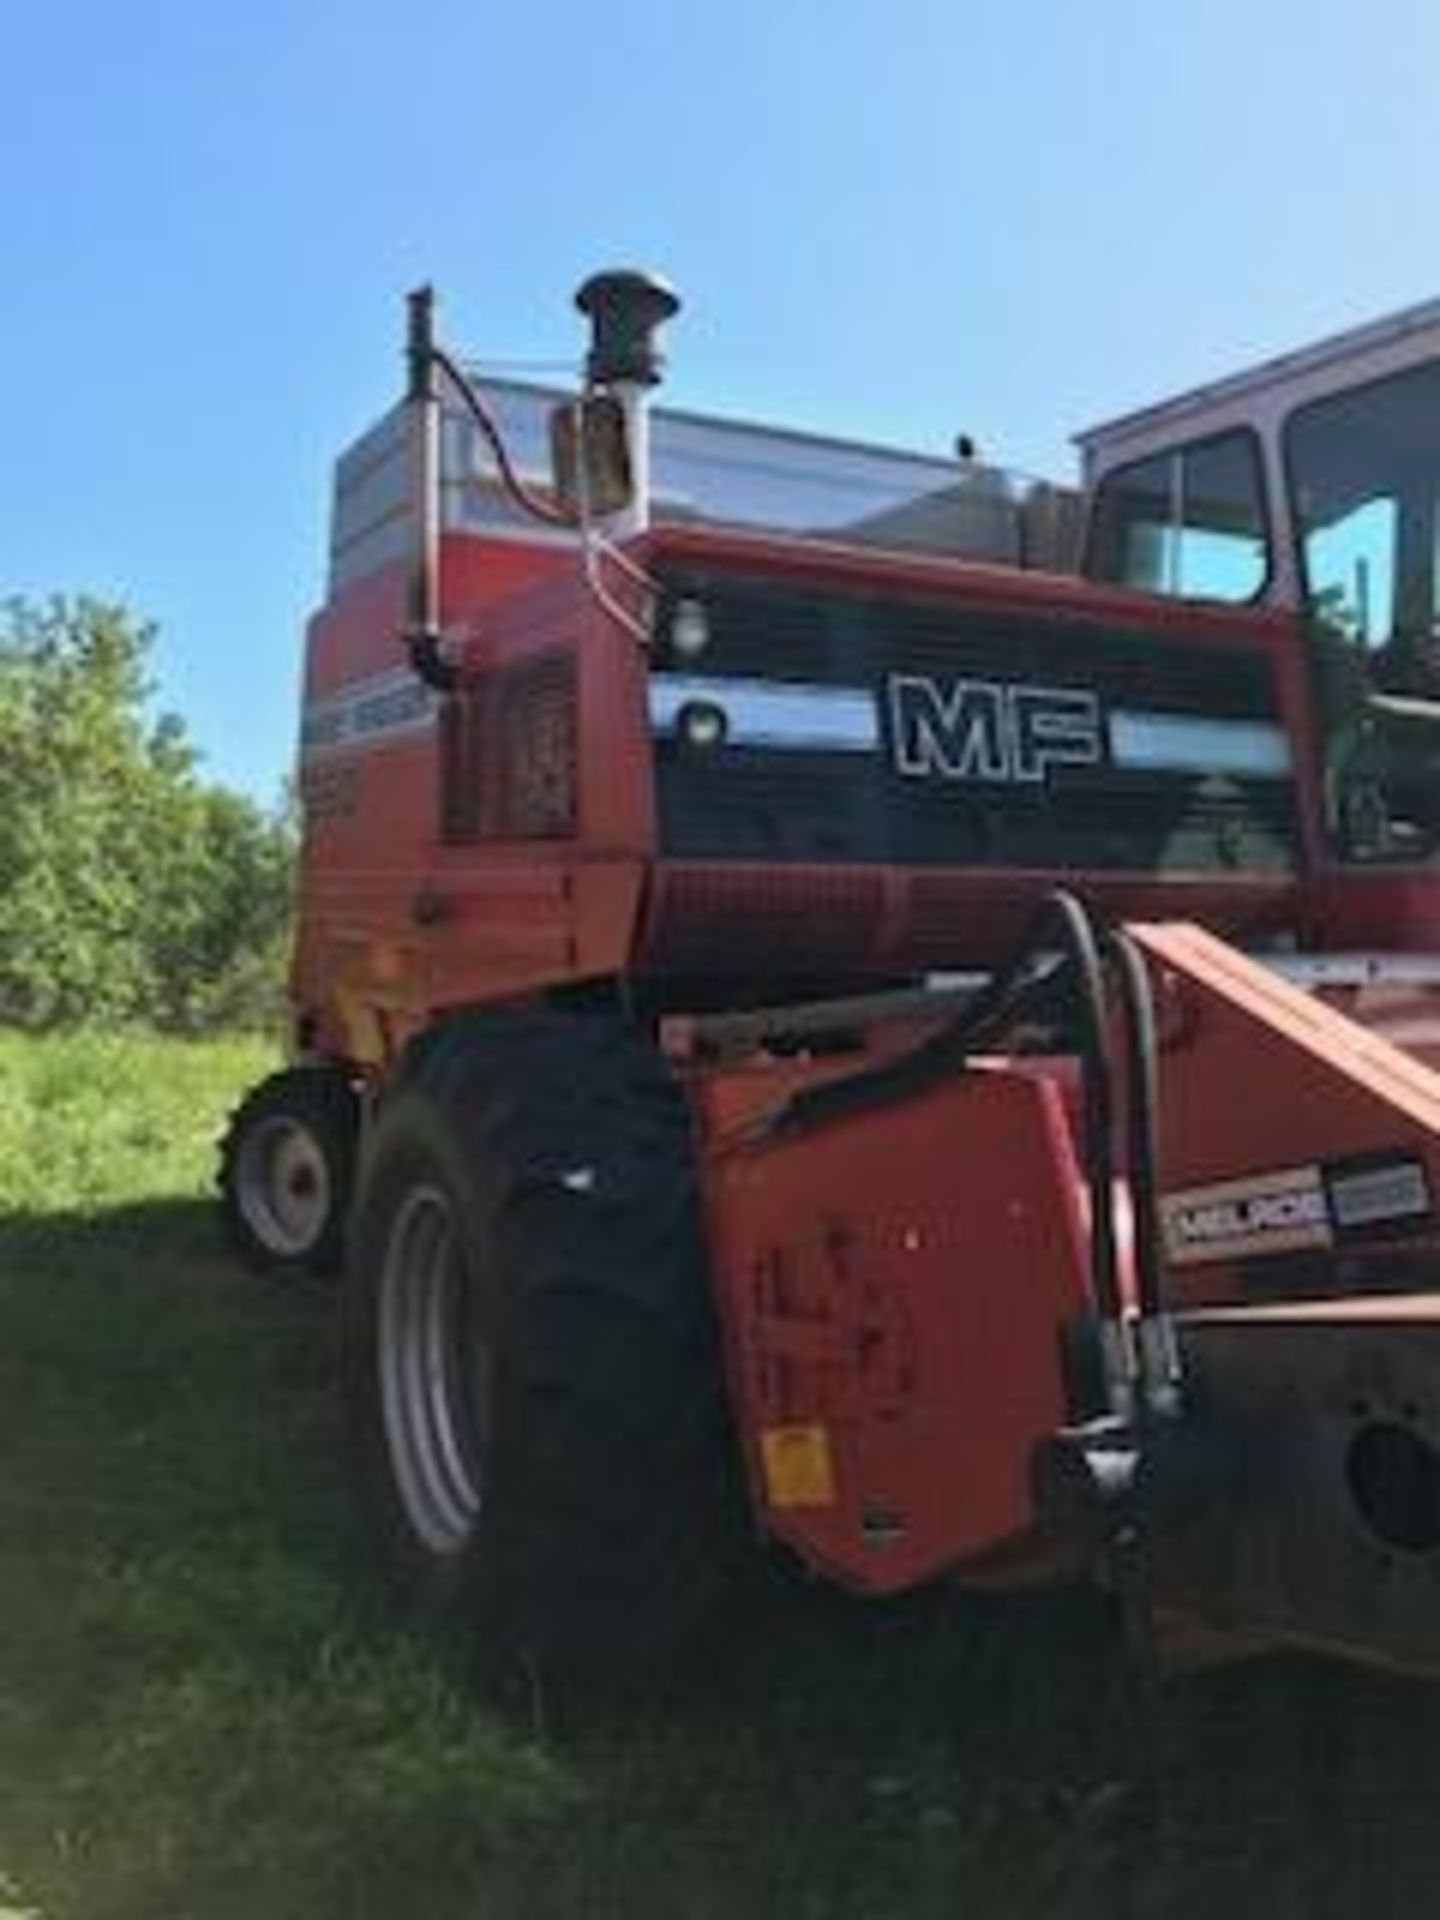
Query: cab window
(1189, 522)
(1365, 478)
(1364, 472)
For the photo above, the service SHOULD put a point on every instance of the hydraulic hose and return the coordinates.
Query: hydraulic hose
(522, 495)
(426, 358)
(1159, 1353)
(1022, 984)
(1137, 1009)
(1097, 1098)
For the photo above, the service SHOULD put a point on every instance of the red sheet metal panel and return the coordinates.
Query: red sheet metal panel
(1299, 1151)
(894, 1282)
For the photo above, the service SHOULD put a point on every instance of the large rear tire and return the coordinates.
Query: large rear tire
(287, 1167)
(532, 1368)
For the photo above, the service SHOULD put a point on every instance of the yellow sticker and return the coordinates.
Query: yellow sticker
(799, 1471)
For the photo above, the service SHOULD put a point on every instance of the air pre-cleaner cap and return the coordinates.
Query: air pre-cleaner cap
(625, 309)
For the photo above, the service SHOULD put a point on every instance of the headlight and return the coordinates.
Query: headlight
(702, 725)
(689, 629)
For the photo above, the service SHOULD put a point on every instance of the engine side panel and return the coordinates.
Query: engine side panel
(473, 846)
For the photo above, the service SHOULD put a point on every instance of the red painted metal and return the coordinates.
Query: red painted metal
(894, 1284)
(396, 925)
(1257, 1078)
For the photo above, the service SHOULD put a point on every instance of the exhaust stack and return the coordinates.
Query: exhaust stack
(626, 310)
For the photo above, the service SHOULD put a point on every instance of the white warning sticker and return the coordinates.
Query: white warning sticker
(1282, 1212)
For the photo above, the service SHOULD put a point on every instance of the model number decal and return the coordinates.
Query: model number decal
(383, 707)
(1393, 1193)
(988, 731)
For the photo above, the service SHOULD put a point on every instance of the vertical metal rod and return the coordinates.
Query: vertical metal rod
(423, 399)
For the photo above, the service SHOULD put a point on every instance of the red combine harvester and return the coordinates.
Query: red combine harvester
(836, 996)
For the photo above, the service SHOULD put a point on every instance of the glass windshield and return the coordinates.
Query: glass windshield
(1365, 480)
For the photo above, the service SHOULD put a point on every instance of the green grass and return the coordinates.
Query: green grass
(203, 1711)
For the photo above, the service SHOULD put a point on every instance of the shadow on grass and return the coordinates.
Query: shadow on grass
(162, 1229)
(200, 1712)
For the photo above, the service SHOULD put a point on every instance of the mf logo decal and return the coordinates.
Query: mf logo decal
(988, 730)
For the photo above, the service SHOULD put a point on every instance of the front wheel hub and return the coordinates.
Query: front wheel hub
(283, 1187)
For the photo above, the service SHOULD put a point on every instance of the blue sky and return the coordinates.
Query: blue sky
(888, 218)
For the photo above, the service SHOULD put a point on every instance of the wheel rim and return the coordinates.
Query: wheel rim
(282, 1185)
(428, 1374)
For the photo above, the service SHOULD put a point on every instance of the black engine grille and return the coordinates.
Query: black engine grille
(1182, 765)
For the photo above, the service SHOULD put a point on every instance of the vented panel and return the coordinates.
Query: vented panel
(759, 922)
(508, 754)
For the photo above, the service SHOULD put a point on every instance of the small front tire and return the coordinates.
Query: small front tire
(287, 1170)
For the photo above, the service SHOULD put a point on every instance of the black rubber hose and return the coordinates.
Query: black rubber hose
(523, 497)
(1017, 987)
(1013, 988)
(1137, 1003)
(1097, 1099)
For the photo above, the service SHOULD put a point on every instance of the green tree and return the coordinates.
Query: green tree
(130, 889)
